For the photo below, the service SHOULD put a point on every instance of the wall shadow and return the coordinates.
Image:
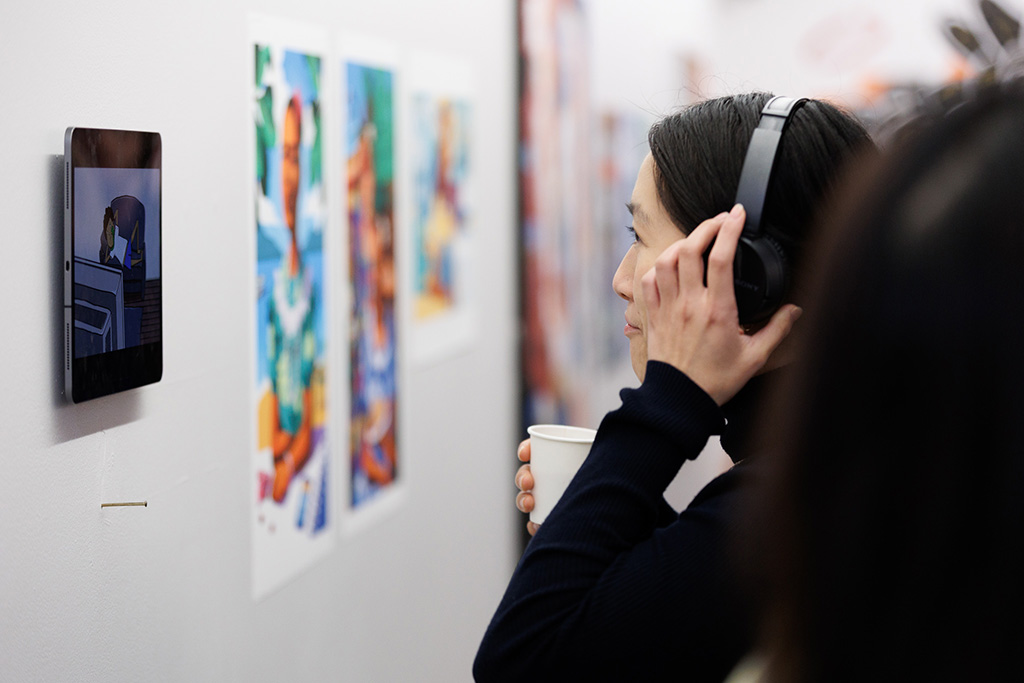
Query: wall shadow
(71, 421)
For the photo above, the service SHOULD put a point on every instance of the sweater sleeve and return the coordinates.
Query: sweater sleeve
(604, 588)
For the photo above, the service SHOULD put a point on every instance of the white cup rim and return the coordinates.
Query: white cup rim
(585, 434)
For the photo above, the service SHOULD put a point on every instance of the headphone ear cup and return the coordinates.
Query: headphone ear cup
(760, 278)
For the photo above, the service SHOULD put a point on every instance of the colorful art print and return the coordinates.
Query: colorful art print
(373, 347)
(441, 166)
(292, 457)
(555, 171)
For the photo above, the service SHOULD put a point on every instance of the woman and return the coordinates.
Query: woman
(900, 555)
(616, 583)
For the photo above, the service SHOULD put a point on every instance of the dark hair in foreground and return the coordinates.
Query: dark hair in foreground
(894, 533)
(698, 155)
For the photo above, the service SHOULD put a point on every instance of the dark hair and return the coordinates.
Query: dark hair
(698, 155)
(893, 534)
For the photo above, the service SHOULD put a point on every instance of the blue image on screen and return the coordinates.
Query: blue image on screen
(116, 288)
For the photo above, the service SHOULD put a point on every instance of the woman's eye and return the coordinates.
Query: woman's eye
(633, 233)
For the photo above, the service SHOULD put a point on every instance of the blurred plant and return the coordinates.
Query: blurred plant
(993, 52)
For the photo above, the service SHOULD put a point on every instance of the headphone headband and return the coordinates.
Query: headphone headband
(759, 164)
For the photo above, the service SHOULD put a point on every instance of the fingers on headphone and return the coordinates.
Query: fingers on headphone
(723, 253)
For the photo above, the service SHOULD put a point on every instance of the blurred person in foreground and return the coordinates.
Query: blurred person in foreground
(893, 535)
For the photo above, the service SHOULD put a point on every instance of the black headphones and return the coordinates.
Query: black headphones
(761, 270)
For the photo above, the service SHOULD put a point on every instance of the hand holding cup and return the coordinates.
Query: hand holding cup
(524, 482)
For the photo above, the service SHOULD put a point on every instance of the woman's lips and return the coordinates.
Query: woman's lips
(630, 329)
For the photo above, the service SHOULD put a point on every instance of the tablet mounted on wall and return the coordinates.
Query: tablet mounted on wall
(113, 337)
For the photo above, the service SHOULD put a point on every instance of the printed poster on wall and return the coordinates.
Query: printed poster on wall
(291, 465)
(368, 87)
(556, 168)
(442, 284)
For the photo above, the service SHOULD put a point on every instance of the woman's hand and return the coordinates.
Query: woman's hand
(696, 328)
(524, 482)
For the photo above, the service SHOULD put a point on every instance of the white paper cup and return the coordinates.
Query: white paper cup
(556, 452)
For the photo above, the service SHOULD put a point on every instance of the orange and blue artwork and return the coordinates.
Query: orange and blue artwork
(291, 463)
(373, 349)
(440, 146)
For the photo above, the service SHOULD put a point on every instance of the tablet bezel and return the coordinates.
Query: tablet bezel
(113, 371)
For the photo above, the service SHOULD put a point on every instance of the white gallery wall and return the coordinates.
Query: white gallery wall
(162, 593)
(638, 48)
(818, 49)
(837, 49)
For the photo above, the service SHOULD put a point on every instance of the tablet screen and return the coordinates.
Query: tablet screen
(113, 296)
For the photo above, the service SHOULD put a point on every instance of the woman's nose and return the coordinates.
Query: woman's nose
(622, 281)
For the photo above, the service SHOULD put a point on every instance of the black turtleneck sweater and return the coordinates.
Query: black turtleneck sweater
(616, 584)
